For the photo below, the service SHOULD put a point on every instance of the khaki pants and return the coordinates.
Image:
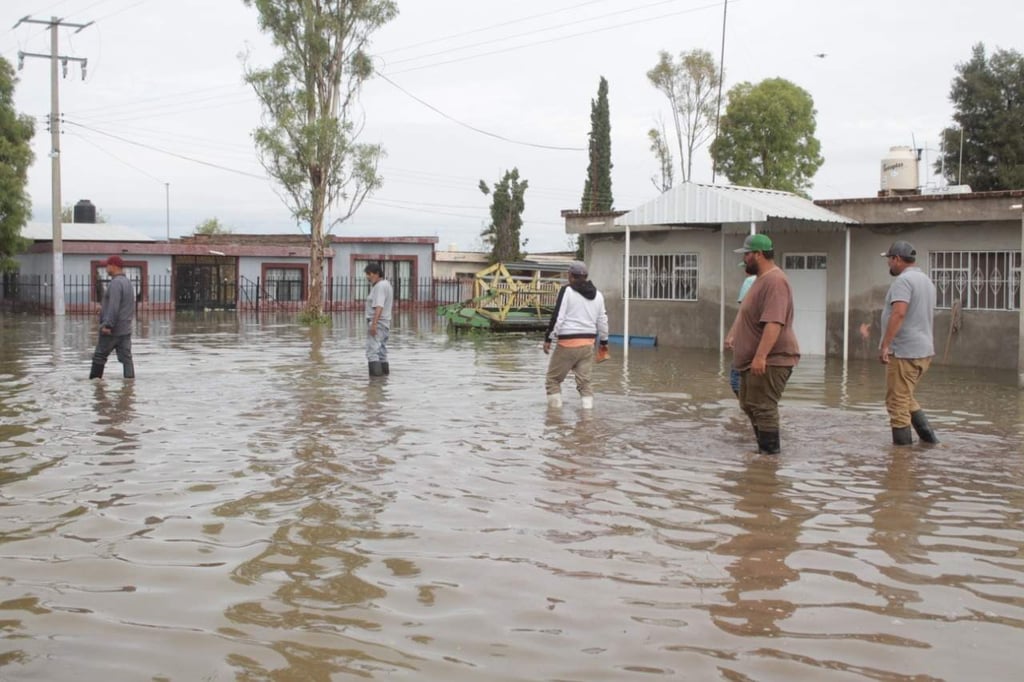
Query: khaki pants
(760, 395)
(901, 377)
(579, 360)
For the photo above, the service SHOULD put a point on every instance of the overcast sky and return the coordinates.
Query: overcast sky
(478, 87)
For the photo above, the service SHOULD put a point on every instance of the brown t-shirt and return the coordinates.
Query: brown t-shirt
(769, 300)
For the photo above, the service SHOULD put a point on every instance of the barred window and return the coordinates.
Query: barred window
(979, 280)
(285, 284)
(666, 278)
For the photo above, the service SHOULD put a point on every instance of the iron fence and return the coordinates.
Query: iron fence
(164, 293)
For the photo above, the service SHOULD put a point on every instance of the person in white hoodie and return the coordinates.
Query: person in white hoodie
(577, 323)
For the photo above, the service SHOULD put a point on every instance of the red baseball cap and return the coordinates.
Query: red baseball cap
(114, 260)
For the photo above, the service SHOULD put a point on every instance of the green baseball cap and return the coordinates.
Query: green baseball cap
(756, 242)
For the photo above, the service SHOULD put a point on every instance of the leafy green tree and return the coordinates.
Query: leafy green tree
(211, 226)
(766, 137)
(597, 190)
(308, 142)
(988, 104)
(691, 86)
(666, 173)
(507, 205)
(15, 158)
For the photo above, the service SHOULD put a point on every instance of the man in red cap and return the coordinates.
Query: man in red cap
(116, 317)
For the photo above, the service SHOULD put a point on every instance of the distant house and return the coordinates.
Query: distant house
(683, 277)
(226, 271)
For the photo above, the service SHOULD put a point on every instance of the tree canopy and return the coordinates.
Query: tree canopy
(988, 104)
(597, 190)
(691, 85)
(210, 227)
(507, 205)
(307, 142)
(766, 137)
(15, 158)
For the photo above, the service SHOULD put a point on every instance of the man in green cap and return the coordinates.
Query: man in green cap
(764, 347)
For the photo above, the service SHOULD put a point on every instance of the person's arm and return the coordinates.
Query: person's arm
(554, 319)
(731, 334)
(769, 335)
(111, 304)
(897, 313)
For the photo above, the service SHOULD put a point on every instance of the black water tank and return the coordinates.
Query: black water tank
(84, 212)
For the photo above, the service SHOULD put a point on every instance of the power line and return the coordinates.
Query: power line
(474, 128)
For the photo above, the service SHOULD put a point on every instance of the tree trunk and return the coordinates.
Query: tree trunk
(315, 302)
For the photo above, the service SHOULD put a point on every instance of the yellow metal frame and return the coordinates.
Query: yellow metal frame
(496, 292)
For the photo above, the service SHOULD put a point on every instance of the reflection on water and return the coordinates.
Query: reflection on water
(255, 500)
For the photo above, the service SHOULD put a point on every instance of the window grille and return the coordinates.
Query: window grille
(979, 280)
(664, 277)
(285, 284)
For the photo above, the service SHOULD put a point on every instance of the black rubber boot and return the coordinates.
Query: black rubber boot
(768, 442)
(97, 371)
(376, 369)
(924, 430)
(386, 367)
(901, 436)
(129, 370)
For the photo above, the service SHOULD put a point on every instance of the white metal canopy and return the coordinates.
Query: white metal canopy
(741, 209)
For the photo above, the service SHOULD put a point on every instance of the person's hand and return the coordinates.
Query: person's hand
(602, 354)
(884, 354)
(373, 329)
(547, 347)
(758, 365)
(106, 331)
(728, 342)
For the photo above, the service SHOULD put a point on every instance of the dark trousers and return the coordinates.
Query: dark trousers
(760, 395)
(108, 343)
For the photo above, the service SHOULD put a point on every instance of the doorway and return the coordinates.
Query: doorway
(807, 273)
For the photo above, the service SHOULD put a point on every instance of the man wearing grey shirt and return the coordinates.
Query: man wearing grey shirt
(378, 317)
(907, 345)
(117, 314)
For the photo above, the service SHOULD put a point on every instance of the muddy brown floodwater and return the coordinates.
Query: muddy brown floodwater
(252, 507)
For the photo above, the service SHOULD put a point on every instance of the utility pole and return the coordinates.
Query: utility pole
(58, 247)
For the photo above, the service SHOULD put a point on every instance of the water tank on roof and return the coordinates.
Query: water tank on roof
(84, 212)
(899, 171)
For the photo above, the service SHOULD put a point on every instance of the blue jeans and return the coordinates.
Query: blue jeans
(377, 346)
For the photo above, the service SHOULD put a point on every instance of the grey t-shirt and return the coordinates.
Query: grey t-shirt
(915, 338)
(381, 296)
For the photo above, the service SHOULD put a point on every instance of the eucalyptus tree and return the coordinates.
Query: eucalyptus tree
(15, 158)
(308, 140)
(691, 86)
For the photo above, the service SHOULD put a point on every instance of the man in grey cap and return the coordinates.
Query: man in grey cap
(907, 345)
(578, 321)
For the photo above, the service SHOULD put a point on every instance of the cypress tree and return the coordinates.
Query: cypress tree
(597, 190)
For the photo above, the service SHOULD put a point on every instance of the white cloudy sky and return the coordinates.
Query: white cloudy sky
(163, 104)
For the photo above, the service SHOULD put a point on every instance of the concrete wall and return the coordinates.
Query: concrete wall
(985, 338)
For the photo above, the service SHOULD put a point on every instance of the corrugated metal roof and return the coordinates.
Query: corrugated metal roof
(694, 204)
(85, 232)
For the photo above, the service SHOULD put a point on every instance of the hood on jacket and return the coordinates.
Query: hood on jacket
(585, 288)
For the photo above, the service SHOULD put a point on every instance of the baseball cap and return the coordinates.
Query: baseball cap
(115, 261)
(755, 242)
(904, 250)
(578, 268)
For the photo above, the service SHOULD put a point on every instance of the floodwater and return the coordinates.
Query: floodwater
(252, 507)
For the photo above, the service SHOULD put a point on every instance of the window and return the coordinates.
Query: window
(979, 280)
(665, 278)
(284, 284)
(805, 261)
(135, 274)
(398, 272)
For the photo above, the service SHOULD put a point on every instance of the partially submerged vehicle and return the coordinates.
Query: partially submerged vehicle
(509, 297)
